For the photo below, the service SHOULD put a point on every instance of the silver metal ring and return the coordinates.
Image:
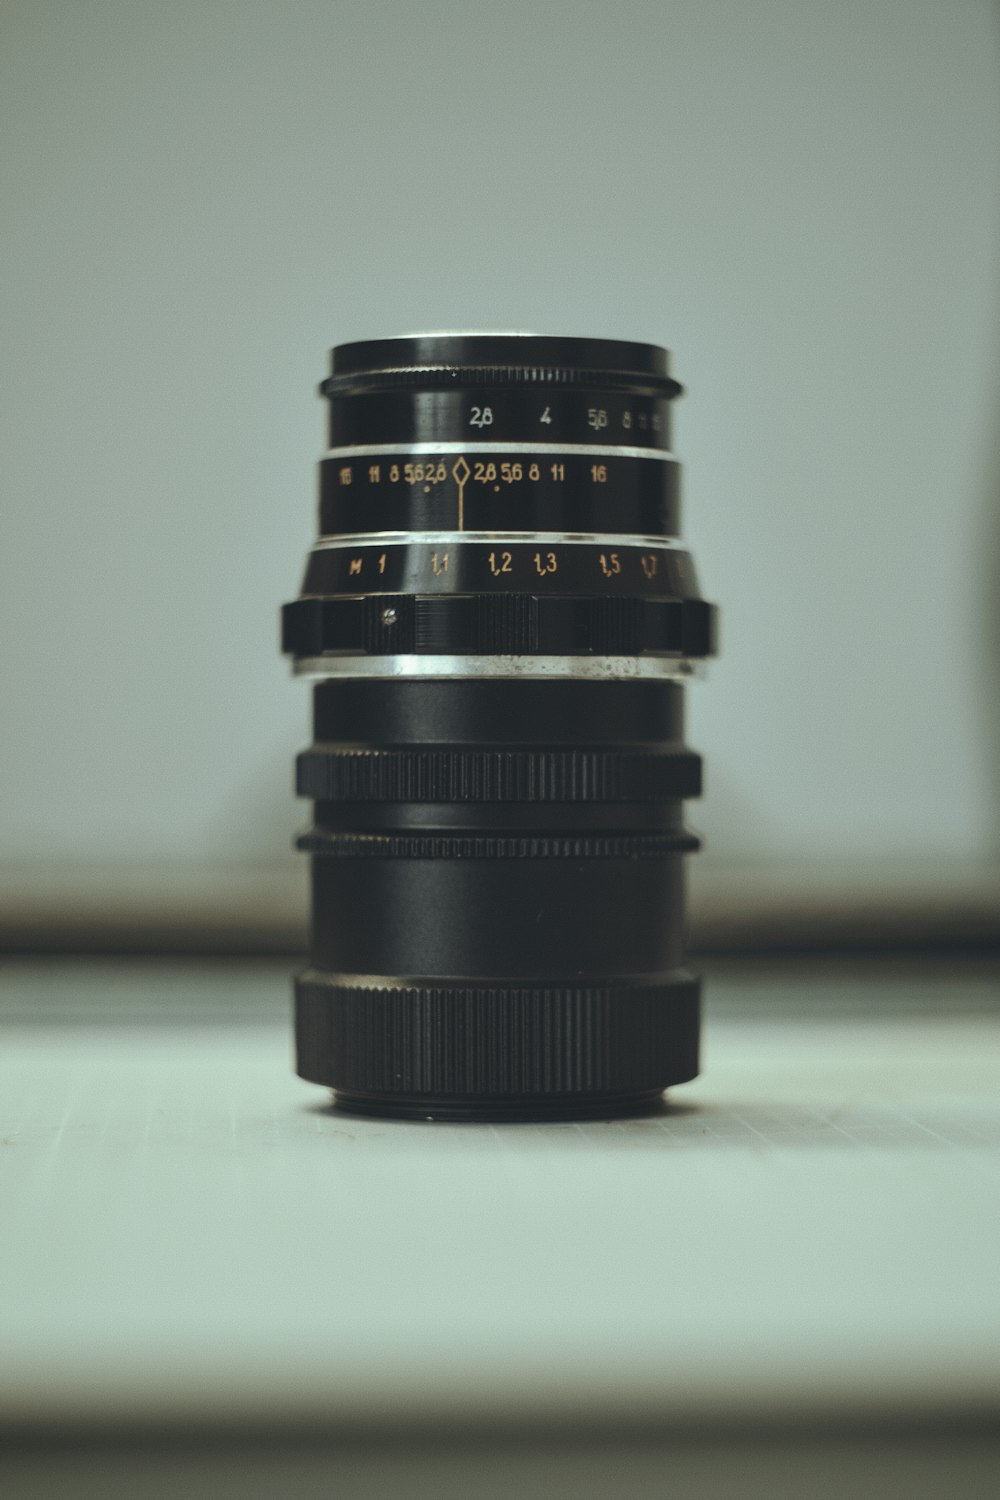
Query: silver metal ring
(590, 667)
(587, 450)
(457, 538)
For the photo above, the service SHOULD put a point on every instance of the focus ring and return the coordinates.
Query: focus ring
(549, 1040)
(328, 773)
(493, 625)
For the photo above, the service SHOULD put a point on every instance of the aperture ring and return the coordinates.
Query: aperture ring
(330, 773)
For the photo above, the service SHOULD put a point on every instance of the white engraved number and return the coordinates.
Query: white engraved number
(482, 416)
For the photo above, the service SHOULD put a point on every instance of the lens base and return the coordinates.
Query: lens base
(508, 1051)
(517, 1111)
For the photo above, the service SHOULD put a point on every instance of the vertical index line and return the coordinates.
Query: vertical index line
(460, 473)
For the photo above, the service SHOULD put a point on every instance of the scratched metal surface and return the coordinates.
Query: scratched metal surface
(188, 1229)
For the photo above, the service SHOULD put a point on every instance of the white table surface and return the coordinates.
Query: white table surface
(188, 1231)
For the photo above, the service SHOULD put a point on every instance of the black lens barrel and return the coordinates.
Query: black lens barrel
(499, 619)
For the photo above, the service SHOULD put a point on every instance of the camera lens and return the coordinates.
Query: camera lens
(498, 619)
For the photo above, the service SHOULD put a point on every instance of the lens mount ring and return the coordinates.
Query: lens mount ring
(480, 1046)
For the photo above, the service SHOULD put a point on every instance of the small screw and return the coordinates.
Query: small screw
(389, 616)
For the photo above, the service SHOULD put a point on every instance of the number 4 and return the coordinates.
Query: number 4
(546, 415)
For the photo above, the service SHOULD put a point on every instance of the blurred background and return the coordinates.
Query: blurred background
(798, 199)
(784, 1284)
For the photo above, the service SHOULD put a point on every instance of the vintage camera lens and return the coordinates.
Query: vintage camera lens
(499, 619)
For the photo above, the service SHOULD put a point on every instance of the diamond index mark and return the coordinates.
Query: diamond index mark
(460, 473)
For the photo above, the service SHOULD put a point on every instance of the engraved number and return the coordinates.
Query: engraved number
(597, 418)
(482, 416)
(429, 473)
(500, 562)
(610, 564)
(599, 473)
(545, 562)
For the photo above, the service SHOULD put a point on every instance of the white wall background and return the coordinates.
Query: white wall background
(798, 197)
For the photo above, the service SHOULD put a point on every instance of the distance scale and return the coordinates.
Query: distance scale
(453, 562)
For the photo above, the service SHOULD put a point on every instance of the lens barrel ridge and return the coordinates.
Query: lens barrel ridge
(499, 618)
